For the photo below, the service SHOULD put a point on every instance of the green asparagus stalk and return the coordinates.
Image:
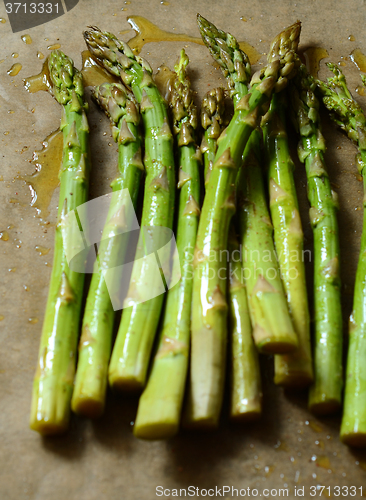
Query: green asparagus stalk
(212, 121)
(293, 369)
(132, 349)
(159, 409)
(96, 339)
(209, 314)
(272, 327)
(246, 394)
(325, 394)
(246, 390)
(54, 378)
(349, 116)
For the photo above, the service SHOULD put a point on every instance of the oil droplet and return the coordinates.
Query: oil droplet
(4, 235)
(92, 73)
(320, 443)
(359, 59)
(313, 56)
(165, 3)
(11, 111)
(250, 51)
(268, 469)
(6, 133)
(316, 427)
(323, 461)
(1, 317)
(42, 250)
(2, 20)
(44, 180)
(39, 82)
(360, 90)
(342, 63)
(40, 55)
(12, 270)
(147, 32)
(33, 321)
(127, 3)
(2, 60)
(14, 70)
(243, 19)
(281, 446)
(26, 39)
(15, 55)
(351, 38)
(55, 46)
(1, 178)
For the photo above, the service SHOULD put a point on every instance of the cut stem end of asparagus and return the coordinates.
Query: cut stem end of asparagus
(125, 384)
(328, 407)
(354, 439)
(87, 407)
(278, 346)
(155, 431)
(300, 379)
(247, 411)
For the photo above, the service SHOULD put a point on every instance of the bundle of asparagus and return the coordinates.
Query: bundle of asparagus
(237, 272)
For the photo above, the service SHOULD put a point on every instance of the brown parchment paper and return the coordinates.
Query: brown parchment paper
(288, 447)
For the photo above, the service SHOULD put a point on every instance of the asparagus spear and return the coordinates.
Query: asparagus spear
(246, 390)
(267, 301)
(209, 313)
(54, 378)
(225, 49)
(293, 369)
(349, 116)
(96, 340)
(212, 121)
(246, 394)
(159, 410)
(325, 394)
(131, 352)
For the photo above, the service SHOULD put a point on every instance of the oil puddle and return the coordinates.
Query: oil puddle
(313, 56)
(93, 74)
(43, 182)
(38, 82)
(147, 32)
